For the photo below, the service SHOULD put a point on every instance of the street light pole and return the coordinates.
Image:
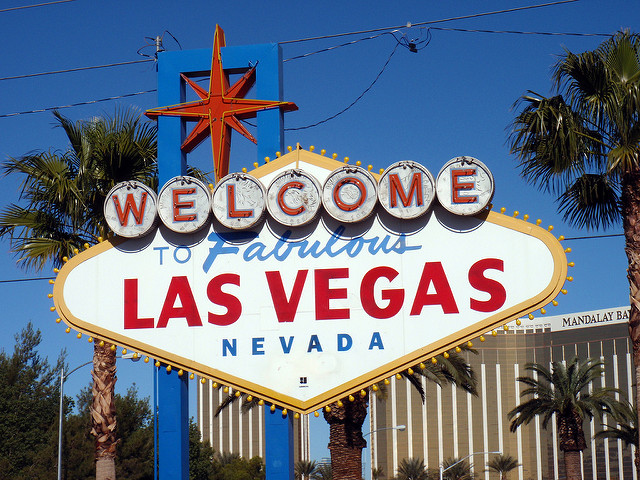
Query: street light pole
(401, 428)
(461, 460)
(63, 378)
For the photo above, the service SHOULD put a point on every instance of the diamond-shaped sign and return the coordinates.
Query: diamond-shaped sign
(302, 316)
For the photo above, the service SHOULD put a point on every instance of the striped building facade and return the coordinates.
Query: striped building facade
(452, 423)
(241, 433)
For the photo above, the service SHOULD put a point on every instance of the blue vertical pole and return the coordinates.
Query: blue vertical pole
(173, 391)
(173, 441)
(278, 456)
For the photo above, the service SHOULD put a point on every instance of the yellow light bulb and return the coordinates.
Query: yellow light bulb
(375, 387)
(311, 148)
(296, 415)
(90, 339)
(505, 328)
(146, 359)
(316, 414)
(157, 364)
(516, 213)
(278, 154)
(351, 398)
(237, 394)
(225, 389)
(261, 402)
(284, 412)
(49, 295)
(502, 210)
(67, 330)
(422, 366)
(363, 393)
(272, 408)
(445, 354)
(180, 372)
(434, 360)
(58, 320)
(518, 322)
(494, 333)
(267, 159)
(398, 376)
(531, 316)
(543, 311)
(334, 156)
(290, 148)
(124, 351)
(113, 348)
(564, 291)
(168, 369)
(340, 404)
(79, 335)
(410, 371)
(482, 339)
(469, 344)
(327, 409)
(249, 398)
(458, 349)
(323, 151)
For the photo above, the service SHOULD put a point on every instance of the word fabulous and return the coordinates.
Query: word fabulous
(406, 190)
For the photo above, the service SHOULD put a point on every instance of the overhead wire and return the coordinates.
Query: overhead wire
(77, 69)
(430, 22)
(10, 9)
(77, 104)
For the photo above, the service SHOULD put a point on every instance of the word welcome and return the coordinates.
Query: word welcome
(294, 197)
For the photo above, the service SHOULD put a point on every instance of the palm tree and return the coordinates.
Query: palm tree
(377, 473)
(454, 469)
(62, 211)
(583, 145)
(564, 391)
(625, 428)
(502, 464)
(304, 469)
(412, 469)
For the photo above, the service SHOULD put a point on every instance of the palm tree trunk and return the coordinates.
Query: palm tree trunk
(631, 225)
(345, 437)
(103, 410)
(572, 465)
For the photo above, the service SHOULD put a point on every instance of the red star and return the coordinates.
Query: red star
(219, 110)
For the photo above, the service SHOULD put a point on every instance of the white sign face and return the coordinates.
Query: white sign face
(406, 190)
(130, 209)
(293, 198)
(464, 186)
(238, 201)
(184, 204)
(301, 317)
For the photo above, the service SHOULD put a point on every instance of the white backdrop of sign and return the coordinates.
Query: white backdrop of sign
(301, 316)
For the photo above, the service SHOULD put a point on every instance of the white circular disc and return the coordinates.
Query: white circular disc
(130, 209)
(350, 194)
(239, 201)
(294, 198)
(464, 186)
(406, 189)
(184, 204)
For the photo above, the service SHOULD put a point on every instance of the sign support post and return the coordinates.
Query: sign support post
(173, 441)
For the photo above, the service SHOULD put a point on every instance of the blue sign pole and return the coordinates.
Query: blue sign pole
(173, 441)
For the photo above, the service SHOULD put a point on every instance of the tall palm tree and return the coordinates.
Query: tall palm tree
(583, 145)
(61, 211)
(625, 428)
(323, 472)
(502, 464)
(345, 418)
(564, 391)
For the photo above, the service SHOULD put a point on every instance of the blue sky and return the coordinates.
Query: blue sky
(454, 97)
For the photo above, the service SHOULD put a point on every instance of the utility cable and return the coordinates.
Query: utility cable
(430, 22)
(78, 69)
(520, 32)
(35, 5)
(355, 101)
(89, 102)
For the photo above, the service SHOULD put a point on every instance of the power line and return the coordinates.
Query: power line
(430, 22)
(78, 69)
(355, 101)
(89, 102)
(35, 5)
(520, 32)
(18, 280)
(589, 237)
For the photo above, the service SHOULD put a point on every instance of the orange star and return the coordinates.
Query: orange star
(219, 110)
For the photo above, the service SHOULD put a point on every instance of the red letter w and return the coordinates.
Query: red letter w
(130, 207)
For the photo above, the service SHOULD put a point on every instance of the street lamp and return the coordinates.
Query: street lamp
(461, 460)
(400, 428)
(63, 378)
